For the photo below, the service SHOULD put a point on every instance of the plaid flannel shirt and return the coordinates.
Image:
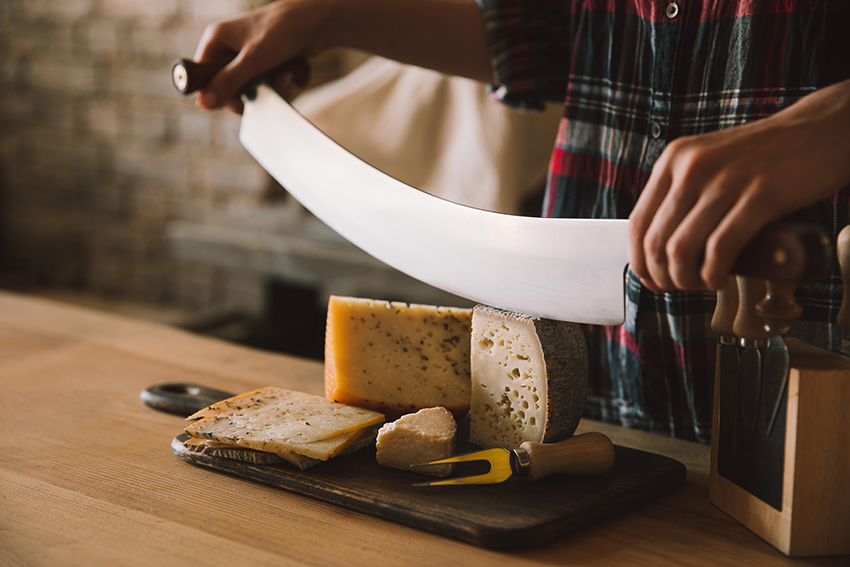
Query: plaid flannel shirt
(634, 75)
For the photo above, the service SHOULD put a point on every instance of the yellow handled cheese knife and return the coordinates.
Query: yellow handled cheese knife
(588, 454)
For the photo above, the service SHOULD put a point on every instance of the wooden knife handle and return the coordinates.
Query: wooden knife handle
(779, 308)
(843, 254)
(589, 454)
(747, 324)
(726, 309)
(786, 252)
(188, 76)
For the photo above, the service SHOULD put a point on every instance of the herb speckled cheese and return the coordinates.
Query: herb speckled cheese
(529, 378)
(284, 421)
(397, 358)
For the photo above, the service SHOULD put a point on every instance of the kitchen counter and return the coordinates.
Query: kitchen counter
(87, 476)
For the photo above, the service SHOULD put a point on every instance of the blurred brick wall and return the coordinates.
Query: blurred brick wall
(98, 153)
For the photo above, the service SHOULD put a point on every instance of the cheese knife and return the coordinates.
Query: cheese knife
(753, 338)
(564, 269)
(843, 319)
(778, 309)
(588, 454)
(727, 362)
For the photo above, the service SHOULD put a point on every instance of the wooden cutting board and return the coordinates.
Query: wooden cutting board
(511, 515)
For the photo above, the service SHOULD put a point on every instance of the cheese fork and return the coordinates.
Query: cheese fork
(589, 454)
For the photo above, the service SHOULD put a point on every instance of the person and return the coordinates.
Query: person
(701, 121)
(438, 133)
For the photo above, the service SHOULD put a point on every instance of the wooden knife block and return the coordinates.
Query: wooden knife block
(814, 518)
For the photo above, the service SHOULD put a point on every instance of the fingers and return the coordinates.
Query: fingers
(225, 86)
(663, 252)
(248, 46)
(680, 209)
(641, 217)
(660, 264)
(740, 225)
(686, 247)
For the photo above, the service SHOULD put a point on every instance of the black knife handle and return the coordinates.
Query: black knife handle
(188, 76)
(787, 252)
(181, 399)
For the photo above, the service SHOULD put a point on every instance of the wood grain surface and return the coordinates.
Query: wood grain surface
(87, 476)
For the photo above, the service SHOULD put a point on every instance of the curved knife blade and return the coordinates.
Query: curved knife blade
(567, 269)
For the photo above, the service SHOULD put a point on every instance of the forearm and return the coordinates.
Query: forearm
(824, 116)
(444, 35)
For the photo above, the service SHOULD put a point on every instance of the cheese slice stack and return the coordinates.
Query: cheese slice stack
(285, 422)
(397, 358)
(529, 378)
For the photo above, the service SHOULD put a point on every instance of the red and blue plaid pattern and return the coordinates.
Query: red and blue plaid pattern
(634, 75)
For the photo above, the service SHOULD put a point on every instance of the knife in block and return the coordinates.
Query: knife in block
(789, 485)
(727, 363)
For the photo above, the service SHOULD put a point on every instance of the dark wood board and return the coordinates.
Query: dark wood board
(511, 515)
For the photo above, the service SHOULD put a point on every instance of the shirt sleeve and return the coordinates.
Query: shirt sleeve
(529, 43)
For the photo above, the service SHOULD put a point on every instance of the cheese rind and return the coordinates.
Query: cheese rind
(417, 438)
(529, 378)
(397, 358)
(228, 450)
(283, 422)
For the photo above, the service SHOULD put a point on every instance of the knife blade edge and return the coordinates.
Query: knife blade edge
(566, 269)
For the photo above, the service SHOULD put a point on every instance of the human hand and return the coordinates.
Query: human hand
(708, 195)
(435, 34)
(251, 44)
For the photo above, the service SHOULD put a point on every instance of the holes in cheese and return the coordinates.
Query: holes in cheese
(529, 378)
(284, 421)
(397, 358)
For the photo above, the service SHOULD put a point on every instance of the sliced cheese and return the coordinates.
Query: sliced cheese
(284, 422)
(397, 358)
(529, 378)
(417, 438)
(228, 450)
(286, 415)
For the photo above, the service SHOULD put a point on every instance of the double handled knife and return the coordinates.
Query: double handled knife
(565, 269)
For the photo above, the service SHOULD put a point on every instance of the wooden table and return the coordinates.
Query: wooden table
(87, 476)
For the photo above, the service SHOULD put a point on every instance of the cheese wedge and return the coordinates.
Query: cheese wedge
(529, 378)
(397, 358)
(282, 422)
(417, 438)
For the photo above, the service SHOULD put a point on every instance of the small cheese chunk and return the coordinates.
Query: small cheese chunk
(397, 358)
(416, 438)
(284, 421)
(529, 378)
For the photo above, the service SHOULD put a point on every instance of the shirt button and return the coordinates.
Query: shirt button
(655, 130)
(672, 10)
